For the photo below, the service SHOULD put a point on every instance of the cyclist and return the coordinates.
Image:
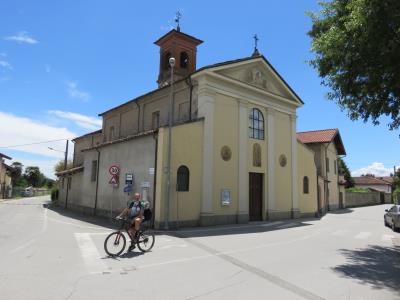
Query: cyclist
(134, 212)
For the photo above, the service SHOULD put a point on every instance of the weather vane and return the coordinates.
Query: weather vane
(178, 16)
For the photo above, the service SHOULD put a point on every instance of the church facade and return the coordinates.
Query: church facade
(234, 152)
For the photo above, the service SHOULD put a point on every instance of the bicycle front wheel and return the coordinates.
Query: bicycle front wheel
(145, 241)
(115, 243)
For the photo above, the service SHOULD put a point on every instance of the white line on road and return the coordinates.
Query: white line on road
(90, 255)
(362, 235)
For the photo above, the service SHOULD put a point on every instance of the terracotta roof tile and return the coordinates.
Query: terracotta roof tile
(317, 136)
(365, 180)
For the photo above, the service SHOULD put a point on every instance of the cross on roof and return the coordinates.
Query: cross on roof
(178, 16)
(255, 52)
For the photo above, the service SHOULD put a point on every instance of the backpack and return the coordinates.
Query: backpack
(147, 214)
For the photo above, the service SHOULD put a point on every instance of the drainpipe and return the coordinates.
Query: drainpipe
(326, 179)
(97, 181)
(155, 136)
(190, 84)
(138, 119)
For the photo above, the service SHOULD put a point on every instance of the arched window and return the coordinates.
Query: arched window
(305, 185)
(166, 60)
(256, 124)
(182, 183)
(184, 59)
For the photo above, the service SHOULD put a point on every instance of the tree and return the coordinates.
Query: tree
(356, 45)
(15, 173)
(60, 165)
(33, 176)
(343, 169)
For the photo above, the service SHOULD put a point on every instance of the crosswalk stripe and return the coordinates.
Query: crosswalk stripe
(387, 237)
(90, 255)
(362, 235)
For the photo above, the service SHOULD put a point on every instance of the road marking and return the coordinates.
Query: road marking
(90, 255)
(362, 235)
(387, 237)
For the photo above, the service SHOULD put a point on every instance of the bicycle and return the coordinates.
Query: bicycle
(115, 242)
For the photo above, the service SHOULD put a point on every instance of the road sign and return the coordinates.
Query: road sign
(114, 170)
(113, 180)
(128, 188)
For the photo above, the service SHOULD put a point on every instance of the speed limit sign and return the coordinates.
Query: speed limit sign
(114, 170)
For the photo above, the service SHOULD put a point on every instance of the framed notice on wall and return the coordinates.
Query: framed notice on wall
(225, 197)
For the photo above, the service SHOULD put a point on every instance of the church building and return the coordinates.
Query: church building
(230, 154)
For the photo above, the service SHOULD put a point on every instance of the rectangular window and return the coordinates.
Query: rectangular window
(62, 183)
(111, 135)
(327, 165)
(335, 166)
(155, 120)
(69, 183)
(94, 170)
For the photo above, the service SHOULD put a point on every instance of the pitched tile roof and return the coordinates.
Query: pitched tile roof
(322, 136)
(5, 156)
(367, 180)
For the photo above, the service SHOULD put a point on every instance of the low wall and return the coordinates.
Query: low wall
(365, 199)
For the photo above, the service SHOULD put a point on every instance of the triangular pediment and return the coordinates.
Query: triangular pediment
(258, 73)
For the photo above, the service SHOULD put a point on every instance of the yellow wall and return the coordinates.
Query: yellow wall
(283, 188)
(226, 128)
(332, 177)
(306, 167)
(187, 145)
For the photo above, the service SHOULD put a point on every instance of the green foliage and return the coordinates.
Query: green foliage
(60, 166)
(357, 190)
(54, 193)
(343, 169)
(15, 173)
(356, 45)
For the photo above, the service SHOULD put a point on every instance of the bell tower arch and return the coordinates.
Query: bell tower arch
(183, 48)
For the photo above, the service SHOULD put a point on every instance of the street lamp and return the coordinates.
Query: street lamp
(170, 121)
(65, 154)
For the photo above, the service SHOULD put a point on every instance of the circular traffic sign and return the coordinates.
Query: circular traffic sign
(114, 170)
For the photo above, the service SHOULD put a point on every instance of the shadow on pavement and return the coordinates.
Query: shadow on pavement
(375, 265)
(256, 227)
(341, 211)
(95, 220)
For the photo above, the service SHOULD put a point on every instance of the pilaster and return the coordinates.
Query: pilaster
(243, 184)
(294, 166)
(271, 160)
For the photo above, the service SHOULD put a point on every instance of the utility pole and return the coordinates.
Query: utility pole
(66, 155)
(170, 120)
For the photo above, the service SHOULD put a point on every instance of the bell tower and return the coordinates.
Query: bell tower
(183, 48)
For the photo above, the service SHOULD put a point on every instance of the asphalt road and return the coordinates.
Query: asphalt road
(53, 254)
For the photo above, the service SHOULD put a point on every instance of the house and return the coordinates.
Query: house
(380, 184)
(328, 147)
(231, 154)
(5, 179)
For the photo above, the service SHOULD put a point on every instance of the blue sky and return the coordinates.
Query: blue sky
(63, 62)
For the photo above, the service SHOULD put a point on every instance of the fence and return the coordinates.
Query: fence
(365, 199)
(18, 192)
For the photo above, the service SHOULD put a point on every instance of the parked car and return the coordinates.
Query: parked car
(27, 192)
(392, 217)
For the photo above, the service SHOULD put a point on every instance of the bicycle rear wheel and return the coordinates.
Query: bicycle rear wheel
(145, 241)
(115, 243)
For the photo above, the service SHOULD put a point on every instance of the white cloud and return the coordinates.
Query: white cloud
(74, 92)
(83, 121)
(376, 168)
(22, 37)
(17, 130)
(5, 64)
